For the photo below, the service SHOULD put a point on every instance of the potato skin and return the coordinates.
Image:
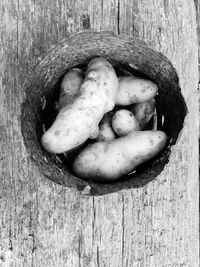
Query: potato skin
(70, 87)
(111, 160)
(144, 111)
(106, 132)
(123, 122)
(135, 90)
(79, 120)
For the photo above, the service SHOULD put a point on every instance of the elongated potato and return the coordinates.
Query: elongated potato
(111, 160)
(135, 90)
(124, 122)
(70, 87)
(106, 132)
(79, 120)
(144, 112)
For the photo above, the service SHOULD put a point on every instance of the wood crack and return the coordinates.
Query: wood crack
(93, 221)
(123, 238)
(10, 236)
(79, 251)
(102, 13)
(98, 263)
(118, 17)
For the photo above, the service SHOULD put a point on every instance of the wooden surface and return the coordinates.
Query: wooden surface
(197, 5)
(45, 224)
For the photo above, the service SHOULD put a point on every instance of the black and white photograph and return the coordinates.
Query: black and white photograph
(99, 133)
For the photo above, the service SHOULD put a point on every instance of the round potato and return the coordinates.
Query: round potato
(123, 122)
(111, 160)
(135, 90)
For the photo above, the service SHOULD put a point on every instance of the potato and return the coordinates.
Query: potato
(144, 111)
(79, 120)
(135, 90)
(111, 160)
(123, 122)
(127, 76)
(106, 132)
(70, 87)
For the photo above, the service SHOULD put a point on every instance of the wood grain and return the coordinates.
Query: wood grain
(197, 5)
(44, 224)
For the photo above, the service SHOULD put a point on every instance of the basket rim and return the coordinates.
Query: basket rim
(32, 87)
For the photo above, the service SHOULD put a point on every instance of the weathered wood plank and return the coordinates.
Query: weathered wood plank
(166, 26)
(197, 4)
(44, 224)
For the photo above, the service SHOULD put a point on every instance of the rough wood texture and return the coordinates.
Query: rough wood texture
(45, 224)
(197, 4)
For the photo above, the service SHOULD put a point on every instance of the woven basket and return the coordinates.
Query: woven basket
(123, 52)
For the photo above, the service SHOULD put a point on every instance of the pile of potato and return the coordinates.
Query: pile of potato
(112, 111)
